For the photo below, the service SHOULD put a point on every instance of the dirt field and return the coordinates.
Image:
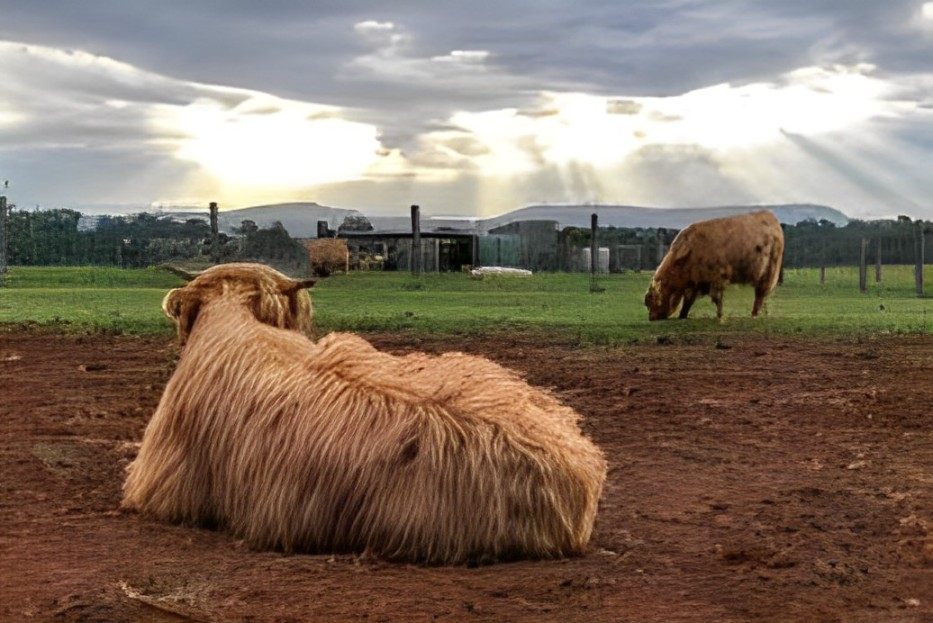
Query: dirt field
(784, 480)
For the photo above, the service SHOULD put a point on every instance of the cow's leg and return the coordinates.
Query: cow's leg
(690, 295)
(759, 299)
(716, 295)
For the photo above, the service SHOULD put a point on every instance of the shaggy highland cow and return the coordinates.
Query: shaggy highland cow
(334, 446)
(328, 256)
(707, 256)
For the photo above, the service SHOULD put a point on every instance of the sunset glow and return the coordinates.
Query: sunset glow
(274, 143)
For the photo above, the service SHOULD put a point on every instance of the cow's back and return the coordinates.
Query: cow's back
(740, 249)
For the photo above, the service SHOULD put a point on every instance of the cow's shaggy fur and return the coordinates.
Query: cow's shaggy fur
(336, 447)
(707, 256)
(273, 298)
(328, 256)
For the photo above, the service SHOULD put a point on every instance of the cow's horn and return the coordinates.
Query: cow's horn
(184, 274)
(302, 284)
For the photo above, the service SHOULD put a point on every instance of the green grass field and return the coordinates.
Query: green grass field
(106, 300)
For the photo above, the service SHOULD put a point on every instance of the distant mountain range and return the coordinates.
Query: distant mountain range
(300, 219)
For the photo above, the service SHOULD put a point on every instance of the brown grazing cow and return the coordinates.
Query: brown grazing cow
(707, 256)
(333, 446)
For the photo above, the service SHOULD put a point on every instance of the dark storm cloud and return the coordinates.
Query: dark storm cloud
(646, 47)
(417, 64)
(637, 47)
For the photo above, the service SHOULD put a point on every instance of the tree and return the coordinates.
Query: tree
(355, 222)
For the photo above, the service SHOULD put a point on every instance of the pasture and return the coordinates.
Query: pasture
(775, 469)
(92, 300)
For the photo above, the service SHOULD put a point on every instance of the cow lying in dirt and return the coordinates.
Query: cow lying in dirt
(334, 446)
(707, 256)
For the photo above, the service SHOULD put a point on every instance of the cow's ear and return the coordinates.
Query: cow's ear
(680, 253)
(182, 307)
(171, 304)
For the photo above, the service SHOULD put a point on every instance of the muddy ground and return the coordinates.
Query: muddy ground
(780, 480)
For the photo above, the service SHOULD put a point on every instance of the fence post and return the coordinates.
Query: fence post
(3, 235)
(862, 268)
(215, 233)
(415, 240)
(594, 245)
(878, 262)
(918, 254)
(594, 253)
(3, 238)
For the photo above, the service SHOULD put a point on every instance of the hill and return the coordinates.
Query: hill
(671, 218)
(300, 219)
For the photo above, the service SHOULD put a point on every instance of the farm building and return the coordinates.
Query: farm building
(536, 245)
(539, 238)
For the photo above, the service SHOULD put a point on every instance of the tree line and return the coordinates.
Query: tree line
(821, 243)
(808, 244)
(55, 237)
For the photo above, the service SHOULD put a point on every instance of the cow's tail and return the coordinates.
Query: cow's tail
(775, 263)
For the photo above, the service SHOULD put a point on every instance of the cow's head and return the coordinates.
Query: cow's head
(660, 301)
(273, 298)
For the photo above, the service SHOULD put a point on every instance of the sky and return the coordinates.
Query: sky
(467, 108)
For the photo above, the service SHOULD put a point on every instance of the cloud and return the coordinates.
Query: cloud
(226, 141)
(497, 103)
(463, 57)
(391, 59)
(382, 35)
(755, 143)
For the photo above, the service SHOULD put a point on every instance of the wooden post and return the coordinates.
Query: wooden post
(3, 237)
(918, 255)
(878, 262)
(594, 245)
(594, 254)
(415, 240)
(862, 268)
(215, 233)
(474, 259)
(822, 273)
